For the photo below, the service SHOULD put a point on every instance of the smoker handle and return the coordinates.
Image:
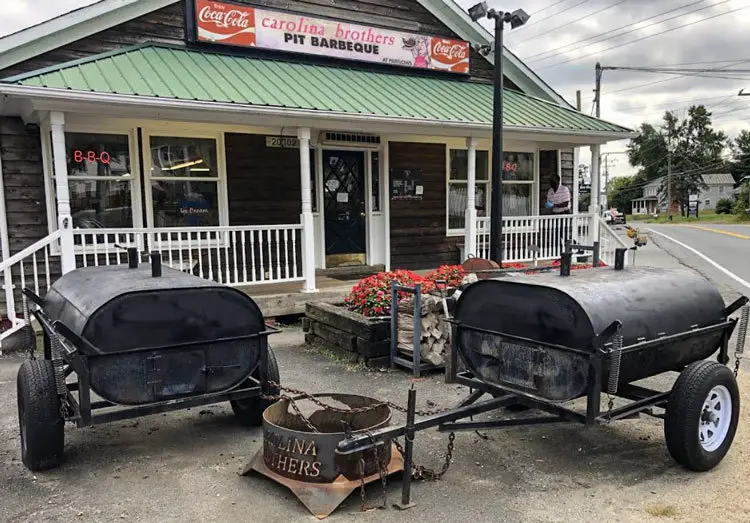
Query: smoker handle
(604, 336)
(734, 307)
(33, 296)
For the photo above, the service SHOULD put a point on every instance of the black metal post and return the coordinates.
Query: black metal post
(496, 205)
(565, 263)
(411, 407)
(155, 264)
(620, 258)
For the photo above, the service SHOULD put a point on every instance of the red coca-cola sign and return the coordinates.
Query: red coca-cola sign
(451, 54)
(225, 23)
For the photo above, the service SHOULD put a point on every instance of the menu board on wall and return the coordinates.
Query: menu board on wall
(406, 184)
(242, 25)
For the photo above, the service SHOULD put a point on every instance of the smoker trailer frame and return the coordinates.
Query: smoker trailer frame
(605, 358)
(62, 350)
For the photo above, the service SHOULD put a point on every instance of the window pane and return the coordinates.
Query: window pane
(517, 199)
(518, 166)
(460, 164)
(483, 165)
(457, 203)
(185, 203)
(375, 170)
(89, 154)
(183, 157)
(101, 204)
(313, 181)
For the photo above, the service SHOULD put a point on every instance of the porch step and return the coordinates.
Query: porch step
(350, 272)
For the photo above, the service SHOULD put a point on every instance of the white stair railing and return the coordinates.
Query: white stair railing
(609, 241)
(35, 267)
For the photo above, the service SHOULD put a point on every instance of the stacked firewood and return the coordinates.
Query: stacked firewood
(434, 330)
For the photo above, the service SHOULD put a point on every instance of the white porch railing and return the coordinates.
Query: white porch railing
(547, 233)
(34, 267)
(232, 255)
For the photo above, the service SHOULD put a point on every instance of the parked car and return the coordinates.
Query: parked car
(613, 217)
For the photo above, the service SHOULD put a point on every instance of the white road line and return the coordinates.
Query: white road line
(704, 257)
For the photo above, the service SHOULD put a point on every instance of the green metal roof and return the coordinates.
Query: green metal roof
(178, 73)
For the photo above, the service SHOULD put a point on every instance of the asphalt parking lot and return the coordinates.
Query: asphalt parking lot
(184, 466)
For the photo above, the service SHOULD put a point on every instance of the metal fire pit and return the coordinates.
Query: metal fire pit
(306, 462)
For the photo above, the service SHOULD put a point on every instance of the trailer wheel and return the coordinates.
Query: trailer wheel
(702, 415)
(250, 411)
(39, 416)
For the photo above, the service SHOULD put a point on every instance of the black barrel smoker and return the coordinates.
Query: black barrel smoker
(543, 341)
(145, 340)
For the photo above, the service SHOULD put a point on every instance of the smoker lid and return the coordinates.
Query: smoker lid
(571, 310)
(115, 307)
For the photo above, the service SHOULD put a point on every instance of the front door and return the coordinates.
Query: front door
(344, 207)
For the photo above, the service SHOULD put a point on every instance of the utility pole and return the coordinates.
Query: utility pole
(669, 174)
(594, 207)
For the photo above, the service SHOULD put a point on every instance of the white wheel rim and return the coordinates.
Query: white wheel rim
(715, 418)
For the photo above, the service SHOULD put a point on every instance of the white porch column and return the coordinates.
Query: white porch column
(470, 228)
(64, 219)
(595, 185)
(308, 225)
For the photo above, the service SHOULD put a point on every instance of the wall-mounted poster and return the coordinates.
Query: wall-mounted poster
(406, 184)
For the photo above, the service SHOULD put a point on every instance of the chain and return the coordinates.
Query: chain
(360, 410)
(736, 366)
(422, 473)
(610, 404)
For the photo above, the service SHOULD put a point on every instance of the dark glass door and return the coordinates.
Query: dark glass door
(344, 207)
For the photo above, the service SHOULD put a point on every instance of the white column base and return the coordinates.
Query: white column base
(470, 235)
(308, 252)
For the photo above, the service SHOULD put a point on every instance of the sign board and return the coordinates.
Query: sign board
(242, 25)
(285, 142)
(693, 198)
(406, 184)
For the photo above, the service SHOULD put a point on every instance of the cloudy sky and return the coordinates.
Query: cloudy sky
(564, 39)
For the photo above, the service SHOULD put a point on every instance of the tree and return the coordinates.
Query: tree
(740, 146)
(696, 150)
(622, 191)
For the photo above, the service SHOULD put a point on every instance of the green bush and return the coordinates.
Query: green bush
(742, 202)
(724, 206)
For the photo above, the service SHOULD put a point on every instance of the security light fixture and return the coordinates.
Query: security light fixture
(478, 11)
(516, 19)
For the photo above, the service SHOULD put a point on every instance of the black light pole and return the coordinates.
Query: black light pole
(515, 19)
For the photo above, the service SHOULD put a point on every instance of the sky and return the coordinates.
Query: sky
(564, 39)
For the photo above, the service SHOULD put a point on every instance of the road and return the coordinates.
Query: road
(727, 246)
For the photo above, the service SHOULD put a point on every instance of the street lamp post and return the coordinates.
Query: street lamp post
(516, 19)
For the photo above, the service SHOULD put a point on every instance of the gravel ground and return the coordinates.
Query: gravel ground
(184, 466)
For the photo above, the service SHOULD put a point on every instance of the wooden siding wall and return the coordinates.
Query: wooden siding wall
(25, 202)
(418, 239)
(263, 183)
(167, 26)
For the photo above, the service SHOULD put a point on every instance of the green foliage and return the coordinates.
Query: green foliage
(724, 206)
(742, 203)
(622, 191)
(741, 156)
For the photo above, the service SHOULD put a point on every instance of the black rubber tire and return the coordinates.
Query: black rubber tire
(40, 417)
(684, 409)
(250, 411)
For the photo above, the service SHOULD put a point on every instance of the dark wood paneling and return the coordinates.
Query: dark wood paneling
(167, 26)
(20, 147)
(263, 182)
(418, 239)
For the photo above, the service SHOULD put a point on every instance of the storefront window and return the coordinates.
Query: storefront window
(184, 182)
(100, 180)
(518, 181)
(458, 187)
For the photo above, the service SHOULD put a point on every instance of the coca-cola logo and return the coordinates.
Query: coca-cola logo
(230, 18)
(452, 50)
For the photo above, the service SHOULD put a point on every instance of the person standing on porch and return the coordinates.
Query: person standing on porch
(558, 196)
(558, 200)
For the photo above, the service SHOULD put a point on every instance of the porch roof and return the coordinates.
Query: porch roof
(176, 73)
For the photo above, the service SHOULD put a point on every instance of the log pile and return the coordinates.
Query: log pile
(434, 330)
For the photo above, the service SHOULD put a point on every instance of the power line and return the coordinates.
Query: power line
(630, 109)
(559, 50)
(533, 22)
(573, 21)
(549, 6)
(653, 35)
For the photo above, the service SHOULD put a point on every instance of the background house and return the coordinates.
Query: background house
(720, 186)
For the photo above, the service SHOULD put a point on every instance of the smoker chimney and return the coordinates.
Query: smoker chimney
(132, 257)
(565, 260)
(155, 264)
(620, 258)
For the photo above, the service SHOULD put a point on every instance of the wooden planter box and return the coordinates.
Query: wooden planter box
(354, 336)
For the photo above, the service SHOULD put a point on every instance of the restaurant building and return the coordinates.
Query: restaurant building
(264, 142)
